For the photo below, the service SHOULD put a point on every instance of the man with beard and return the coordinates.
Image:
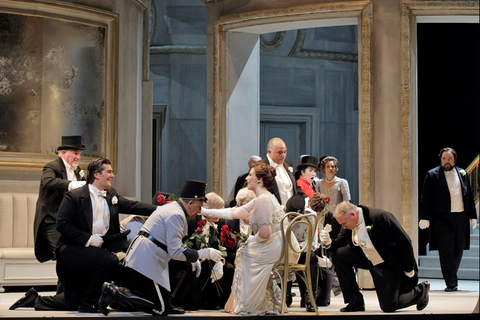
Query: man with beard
(448, 208)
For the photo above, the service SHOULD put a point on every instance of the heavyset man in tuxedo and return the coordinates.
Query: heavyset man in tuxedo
(58, 177)
(447, 207)
(374, 240)
(285, 184)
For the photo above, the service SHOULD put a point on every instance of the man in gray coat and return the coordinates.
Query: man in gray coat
(159, 240)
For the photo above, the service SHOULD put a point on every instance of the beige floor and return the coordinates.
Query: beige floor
(465, 301)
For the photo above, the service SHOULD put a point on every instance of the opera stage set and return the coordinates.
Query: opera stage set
(118, 110)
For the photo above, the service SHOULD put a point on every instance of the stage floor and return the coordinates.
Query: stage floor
(442, 305)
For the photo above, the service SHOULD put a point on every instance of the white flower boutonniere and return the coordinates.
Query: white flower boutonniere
(114, 200)
(369, 228)
(290, 169)
(463, 172)
(81, 173)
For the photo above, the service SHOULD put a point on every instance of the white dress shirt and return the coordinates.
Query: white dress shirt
(101, 211)
(453, 182)
(284, 182)
(361, 238)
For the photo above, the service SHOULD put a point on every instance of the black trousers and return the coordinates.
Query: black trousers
(394, 289)
(449, 230)
(83, 270)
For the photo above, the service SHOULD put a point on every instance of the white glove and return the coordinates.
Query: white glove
(473, 223)
(324, 262)
(218, 213)
(95, 240)
(197, 266)
(424, 224)
(76, 184)
(325, 238)
(410, 274)
(217, 271)
(210, 254)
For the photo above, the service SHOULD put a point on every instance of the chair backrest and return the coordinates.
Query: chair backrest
(291, 249)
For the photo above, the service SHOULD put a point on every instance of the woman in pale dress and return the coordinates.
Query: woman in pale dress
(253, 291)
(338, 191)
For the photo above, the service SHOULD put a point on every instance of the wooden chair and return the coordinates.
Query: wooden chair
(285, 265)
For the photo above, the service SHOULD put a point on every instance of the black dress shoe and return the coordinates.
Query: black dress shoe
(424, 298)
(451, 287)
(353, 307)
(26, 302)
(175, 310)
(88, 309)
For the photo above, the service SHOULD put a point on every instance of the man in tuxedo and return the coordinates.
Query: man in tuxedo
(448, 208)
(285, 184)
(90, 242)
(58, 177)
(374, 240)
(147, 286)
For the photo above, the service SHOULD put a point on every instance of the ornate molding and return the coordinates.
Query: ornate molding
(178, 50)
(298, 51)
(273, 45)
(409, 11)
(358, 9)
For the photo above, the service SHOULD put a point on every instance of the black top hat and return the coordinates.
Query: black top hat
(193, 189)
(71, 142)
(308, 161)
(295, 203)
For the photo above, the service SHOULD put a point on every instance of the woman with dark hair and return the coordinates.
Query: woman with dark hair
(252, 289)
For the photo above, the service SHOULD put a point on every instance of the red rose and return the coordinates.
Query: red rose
(201, 222)
(161, 199)
(327, 199)
(230, 243)
(199, 230)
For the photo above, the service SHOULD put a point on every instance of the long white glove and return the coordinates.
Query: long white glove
(76, 184)
(423, 224)
(473, 223)
(217, 271)
(218, 213)
(95, 240)
(198, 267)
(325, 238)
(210, 254)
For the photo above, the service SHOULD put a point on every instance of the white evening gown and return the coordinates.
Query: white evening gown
(254, 293)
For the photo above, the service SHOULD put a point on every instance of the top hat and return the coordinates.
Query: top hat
(295, 203)
(71, 143)
(193, 189)
(308, 161)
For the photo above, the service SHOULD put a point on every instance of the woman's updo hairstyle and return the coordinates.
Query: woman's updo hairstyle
(265, 172)
(328, 159)
(317, 202)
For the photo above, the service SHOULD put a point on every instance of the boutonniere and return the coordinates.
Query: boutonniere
(290, 169)
(463, 172)
(114, 200)
(369, 228)
(81, 173)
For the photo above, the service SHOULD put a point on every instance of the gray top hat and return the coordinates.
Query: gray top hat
(193, 189)
(71, 142)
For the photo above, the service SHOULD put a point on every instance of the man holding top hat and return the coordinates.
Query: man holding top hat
(58, 176)
(159, 240)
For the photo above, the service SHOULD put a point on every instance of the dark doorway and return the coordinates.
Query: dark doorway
(448, 96)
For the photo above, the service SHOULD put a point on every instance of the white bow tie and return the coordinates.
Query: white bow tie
(102, 194)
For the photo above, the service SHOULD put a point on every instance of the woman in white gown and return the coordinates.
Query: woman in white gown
(253, 291)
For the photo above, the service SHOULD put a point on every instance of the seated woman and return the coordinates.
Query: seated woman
(253, 289)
